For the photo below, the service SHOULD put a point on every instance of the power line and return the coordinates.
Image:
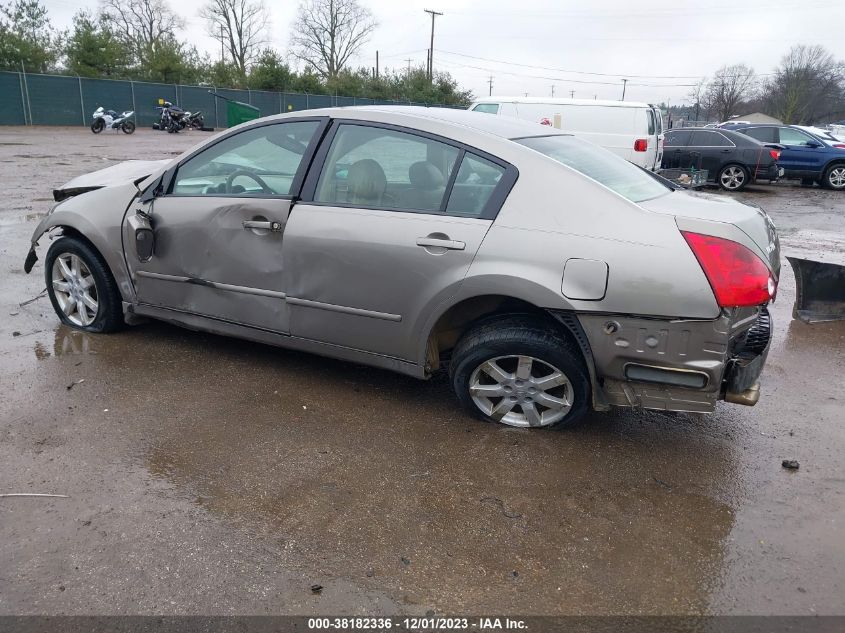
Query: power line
(563, 79)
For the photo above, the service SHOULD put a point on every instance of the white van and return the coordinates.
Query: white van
(632, 130)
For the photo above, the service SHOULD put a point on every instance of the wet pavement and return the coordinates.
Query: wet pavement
(210, 475)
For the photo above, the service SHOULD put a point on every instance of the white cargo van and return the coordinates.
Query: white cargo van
(632, 130)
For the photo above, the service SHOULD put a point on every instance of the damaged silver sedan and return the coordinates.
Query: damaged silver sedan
(548, 275)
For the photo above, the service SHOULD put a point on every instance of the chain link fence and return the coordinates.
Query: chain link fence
(34, 99)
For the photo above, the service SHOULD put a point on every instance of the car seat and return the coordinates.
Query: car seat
(427, 187)
(366, 183)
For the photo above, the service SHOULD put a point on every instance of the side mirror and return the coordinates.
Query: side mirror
(144, 236)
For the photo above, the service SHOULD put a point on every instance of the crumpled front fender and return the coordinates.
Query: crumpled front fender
(96, 217)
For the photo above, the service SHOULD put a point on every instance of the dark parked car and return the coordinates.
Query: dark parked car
(731, 159)
(805, 155)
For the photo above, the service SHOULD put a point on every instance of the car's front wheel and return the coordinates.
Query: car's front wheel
(834, 177)
(81, 287)
(521, 372)
(733, 178)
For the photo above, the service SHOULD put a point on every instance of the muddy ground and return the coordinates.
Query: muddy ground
(210, 475)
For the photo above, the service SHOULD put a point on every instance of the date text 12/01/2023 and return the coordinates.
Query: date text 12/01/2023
(416, 624)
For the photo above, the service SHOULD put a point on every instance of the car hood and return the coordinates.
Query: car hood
(751, 220)
(122, 173)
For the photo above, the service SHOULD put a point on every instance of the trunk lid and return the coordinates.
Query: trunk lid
(751, 220)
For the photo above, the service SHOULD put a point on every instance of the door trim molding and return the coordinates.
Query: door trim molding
(319, 305)
(261, 292)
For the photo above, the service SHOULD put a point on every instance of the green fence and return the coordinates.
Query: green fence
(32, 99)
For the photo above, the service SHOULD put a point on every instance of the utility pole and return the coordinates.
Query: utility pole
(490, 83)
(624, 85)
(222, 58)
(409, 60)
(376, 64)
(553, 90)
(431, 50)
(571, 94)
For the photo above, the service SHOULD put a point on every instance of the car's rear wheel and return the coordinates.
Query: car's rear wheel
(733, 178)
(521, 372)
(834, 177)
(81, 287)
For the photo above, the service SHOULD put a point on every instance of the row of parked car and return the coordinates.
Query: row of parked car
(732, 154)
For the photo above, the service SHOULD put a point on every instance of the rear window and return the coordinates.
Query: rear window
(490, 108)
(601, 165)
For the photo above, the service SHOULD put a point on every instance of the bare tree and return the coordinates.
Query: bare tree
(808, 85)
(730, 86)
(143, 25)
(696, 96)
(328, 33)
(240, 26)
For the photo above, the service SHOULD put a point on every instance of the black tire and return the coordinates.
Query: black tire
(521, 335)
(109, 317)
(723, 176)
(128, 127)
(834, 177)
(98, 126)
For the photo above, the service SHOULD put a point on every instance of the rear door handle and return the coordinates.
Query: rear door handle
(435, 242)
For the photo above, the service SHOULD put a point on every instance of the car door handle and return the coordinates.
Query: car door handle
(267, 225)
(452, 245)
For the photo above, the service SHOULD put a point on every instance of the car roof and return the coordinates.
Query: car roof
(729, 133)
(564, 101)
(500, 126)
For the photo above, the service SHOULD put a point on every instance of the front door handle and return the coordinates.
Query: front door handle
(266, 225)
(435, 242)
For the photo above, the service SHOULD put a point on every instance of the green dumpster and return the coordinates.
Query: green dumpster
(238, 112)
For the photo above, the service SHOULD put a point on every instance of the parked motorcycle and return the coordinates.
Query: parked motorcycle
(173, 118)
(109, 119)
(194, 120)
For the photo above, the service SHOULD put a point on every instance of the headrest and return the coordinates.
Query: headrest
(366, 179)
(424, 175)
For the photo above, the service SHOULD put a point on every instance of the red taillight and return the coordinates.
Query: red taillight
(839, 145)
(738, 277)
(776, 153)
(641, 145)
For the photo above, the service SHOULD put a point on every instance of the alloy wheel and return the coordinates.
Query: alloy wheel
(836, 177)
(732, 177)
(521, 391)
(75, 289)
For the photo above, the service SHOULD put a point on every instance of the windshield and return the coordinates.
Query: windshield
(599, 164)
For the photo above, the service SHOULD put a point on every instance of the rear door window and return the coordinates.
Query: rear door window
(490, 108)
(762, 134)
(709, 139)
(677, 138)
(375, 167)
(652, 128)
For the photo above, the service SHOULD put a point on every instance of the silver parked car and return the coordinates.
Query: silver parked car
(547, 274)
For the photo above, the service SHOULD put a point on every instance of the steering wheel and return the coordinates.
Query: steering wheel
(255, 177)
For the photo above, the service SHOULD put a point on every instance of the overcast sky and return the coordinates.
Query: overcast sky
(529, 46)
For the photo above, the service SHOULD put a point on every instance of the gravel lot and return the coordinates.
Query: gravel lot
(210, 475)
